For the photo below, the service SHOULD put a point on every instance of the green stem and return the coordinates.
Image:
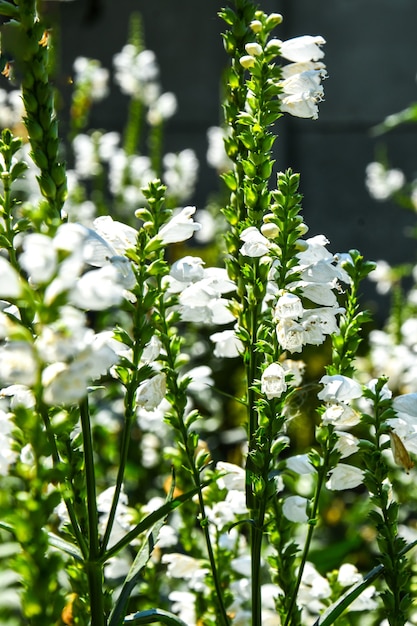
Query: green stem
(124, 449)
(312, 525)
(178, 395)
(93, 567)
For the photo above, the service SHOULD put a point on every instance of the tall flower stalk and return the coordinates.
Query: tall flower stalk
(26, 40)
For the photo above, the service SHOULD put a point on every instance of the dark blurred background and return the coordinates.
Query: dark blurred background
(371, 57)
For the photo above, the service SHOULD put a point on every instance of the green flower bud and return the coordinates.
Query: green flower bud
(47, 186)
(58, 174)
(34, 129)
(270, 230)
(274, 19)
(40, 158)
(256, 26)
(253, 49)
(247, 61)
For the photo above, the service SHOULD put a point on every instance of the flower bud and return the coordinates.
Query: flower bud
(301, 245)
(253, 49)
(247, 61)
(274, 19)
(256, 26)
(269, 230)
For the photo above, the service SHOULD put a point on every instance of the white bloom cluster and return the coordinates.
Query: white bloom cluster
(137, 74)
(11, 108)
(301, 87)
(201, 291)
(338, 391)
(90, 75)
(129, 174)
(382, 182)
(320, 274)
(87, 268)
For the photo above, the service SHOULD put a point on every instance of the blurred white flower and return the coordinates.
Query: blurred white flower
(180, 174)
(227, 344)
(381, 182)
(344, 476)
(216, 153)
(92, 76)
(10, 282)
(294, 509)
(18, 364)
(39, 258)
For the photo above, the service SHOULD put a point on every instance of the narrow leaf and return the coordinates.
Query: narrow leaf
(153, 616)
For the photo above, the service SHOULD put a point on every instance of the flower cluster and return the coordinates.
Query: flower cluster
(300, 87)
(137, 74)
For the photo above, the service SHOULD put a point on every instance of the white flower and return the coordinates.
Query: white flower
(233, 477)
(90, 73)
(255, 244)
(344, 476)
(227, 344)
(185, 567)
(188, 269)
(99, 289)
(338, 388)
(300, 464)
(216, 154)
(39, 258)
(162, 109)
(289, 306)
(180, 227)
(294, 509)
(18, 364)
(273, 381)
(180, 174)
(10, 282)
(346, 444)
(302, 49)
(118, 235)
(290, 335)
(382, 183)
(340, 415)
(151, 392)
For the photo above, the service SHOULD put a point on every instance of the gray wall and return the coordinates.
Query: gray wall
(371, 56)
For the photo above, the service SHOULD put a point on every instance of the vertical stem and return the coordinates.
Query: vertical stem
(93, 567)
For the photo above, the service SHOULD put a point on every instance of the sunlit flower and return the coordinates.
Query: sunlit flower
(180, 227)
(339, 388)
(151, 392)
(273, 381)
(289, 306)
(302, 49)
(255, 244)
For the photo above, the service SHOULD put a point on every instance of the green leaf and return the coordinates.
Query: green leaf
(153, 616)
(152, 518)
(130, 581)
(334, 611)
(54, 541)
